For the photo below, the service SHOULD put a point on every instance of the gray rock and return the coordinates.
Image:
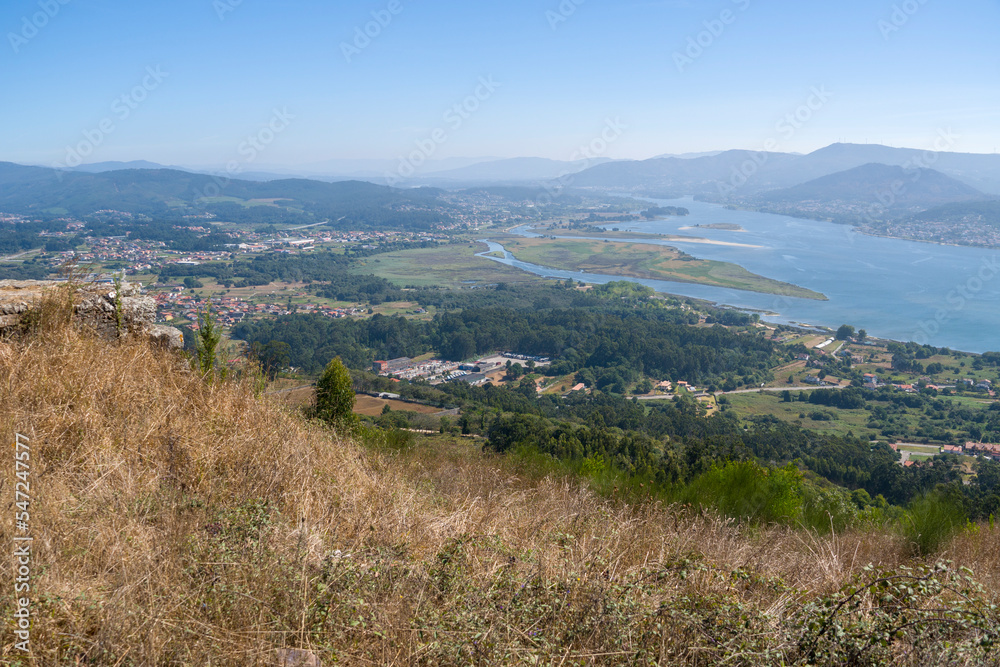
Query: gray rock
(94, 306)
(164, 336)
(293, 657)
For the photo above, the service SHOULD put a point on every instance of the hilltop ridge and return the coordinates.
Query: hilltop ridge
(221, 527)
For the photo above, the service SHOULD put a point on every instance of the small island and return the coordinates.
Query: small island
(726, 226)
(663, 211)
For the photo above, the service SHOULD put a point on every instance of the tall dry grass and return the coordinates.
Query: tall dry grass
(180, 522)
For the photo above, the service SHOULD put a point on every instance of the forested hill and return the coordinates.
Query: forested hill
(170, 193)
(869, 183)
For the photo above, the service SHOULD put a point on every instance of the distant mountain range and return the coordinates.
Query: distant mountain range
(169, 193)
(717, 174)
(100, 167)
(452, 171)
(687, 156)
(740, 172)
(514, 170)
(840, 175)
(709, 175)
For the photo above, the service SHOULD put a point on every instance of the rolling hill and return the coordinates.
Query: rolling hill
(891, 186)
(983, 212)
(172, 193)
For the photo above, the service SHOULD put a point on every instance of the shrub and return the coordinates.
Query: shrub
(931, 521)
(335, 393)
(747, 491)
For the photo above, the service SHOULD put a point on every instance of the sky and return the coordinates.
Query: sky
(270, 83)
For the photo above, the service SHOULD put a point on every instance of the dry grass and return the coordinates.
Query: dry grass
(372, 407)
(184, 523)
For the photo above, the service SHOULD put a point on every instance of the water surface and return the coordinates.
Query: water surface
(946, 296)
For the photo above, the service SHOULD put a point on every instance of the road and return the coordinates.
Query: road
(325, 222)
(667, 397)
(759, 389)
(285, 391)
(317, 224)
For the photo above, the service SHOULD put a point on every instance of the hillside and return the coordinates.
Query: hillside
(978, 170)
(893, 186)
(172, 193)
(982, 212)
(183, 522)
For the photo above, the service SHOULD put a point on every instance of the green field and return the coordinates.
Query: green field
(245, 203)
(451, 266)
(842, 422)
(770, 403)
(639, 260)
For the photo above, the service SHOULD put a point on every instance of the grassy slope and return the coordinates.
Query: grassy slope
(182, 523)
(639, 260)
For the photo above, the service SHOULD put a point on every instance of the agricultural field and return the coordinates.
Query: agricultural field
(452, 266)
(840, 422)
(372, 407)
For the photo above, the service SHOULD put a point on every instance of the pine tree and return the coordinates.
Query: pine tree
(208, 342)
(335, 393)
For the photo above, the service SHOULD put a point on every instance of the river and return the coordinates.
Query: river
(946, 296)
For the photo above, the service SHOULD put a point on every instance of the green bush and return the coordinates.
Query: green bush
(827, 508)
(931, 521)
(747, 491)
(335, 394)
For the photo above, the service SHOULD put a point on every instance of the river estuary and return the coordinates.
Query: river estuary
(946, 296)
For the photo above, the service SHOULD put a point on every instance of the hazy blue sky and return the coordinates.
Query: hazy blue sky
(226, 66)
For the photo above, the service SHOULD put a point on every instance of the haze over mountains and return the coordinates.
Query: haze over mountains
(749, 172)
(841, 173)
(448, 170)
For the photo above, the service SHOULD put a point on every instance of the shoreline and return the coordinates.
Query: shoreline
(639, 237)
(940, 243)
(857, 229)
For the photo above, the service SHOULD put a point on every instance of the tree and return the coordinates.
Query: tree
(208, 342)
(844, 332)
(273, 356)
(335, 393)
(862, 334)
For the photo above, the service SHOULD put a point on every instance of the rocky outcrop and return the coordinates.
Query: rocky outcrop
(99, 307)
